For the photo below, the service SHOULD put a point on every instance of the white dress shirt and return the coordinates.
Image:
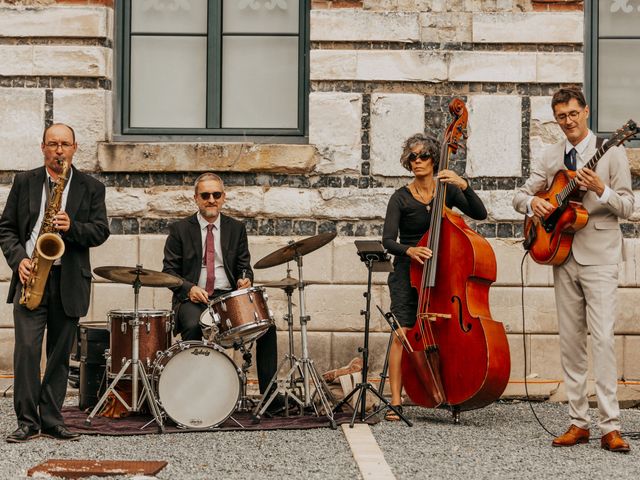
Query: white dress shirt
(221, 282)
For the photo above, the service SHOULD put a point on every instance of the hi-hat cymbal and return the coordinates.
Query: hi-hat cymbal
(148, 278)
(295, 249)
(286, 282)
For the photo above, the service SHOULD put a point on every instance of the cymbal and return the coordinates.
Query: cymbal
(295, 249)
(286, 282)
(148, 278)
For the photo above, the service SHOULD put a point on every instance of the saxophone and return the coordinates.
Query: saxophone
(49, 247)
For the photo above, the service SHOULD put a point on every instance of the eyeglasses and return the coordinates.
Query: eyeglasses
(423, 156)
(208, 195)
(56, 145)
(571, 115)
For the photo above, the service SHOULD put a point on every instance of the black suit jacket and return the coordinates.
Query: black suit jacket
(183, 253)
(89, 228)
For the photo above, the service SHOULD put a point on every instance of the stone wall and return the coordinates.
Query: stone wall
(381, 70)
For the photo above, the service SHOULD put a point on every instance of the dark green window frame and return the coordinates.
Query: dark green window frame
(592, 72)
(214, 87)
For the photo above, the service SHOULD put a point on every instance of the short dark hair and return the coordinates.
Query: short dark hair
(73, 133)
(564, 95)
(429, 145)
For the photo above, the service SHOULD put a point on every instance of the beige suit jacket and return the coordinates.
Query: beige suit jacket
(600, 241)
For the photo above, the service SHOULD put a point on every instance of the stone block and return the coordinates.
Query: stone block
(559, 68)
(346, 204)
(445, 27)
(85, 111)
(631, 365)
(538, 275)
(491, 155)
(6, 350)
(60, 60)
(492, 67)
(201, 157)
(117, 250)
(634, 160)
(334, 128)
(345, 348)
(627, 313)
(541, 110)
(53, 21)
(348, 268)
(353, 25)
(5, 270)
(328, 64)
(336, 308)
(6, 309)
(394, 118)
(516, 351)
(320, 348)
(152, 251)
(115, 296)
(161, 299)
(628, 273)
(539, 309)
(499, 205)
(401, 66)
(529, 27)
(508, 255)
(21, 122)
(126, 202)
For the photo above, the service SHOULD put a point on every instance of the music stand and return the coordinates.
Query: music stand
(372, 253)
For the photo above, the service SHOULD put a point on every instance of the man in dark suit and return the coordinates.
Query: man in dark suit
(211, 238)
(82, 223)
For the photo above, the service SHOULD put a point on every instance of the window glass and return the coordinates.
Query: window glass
(169, 16)
(260, 16)
(259, 82)
(168, 82)
(619, 18)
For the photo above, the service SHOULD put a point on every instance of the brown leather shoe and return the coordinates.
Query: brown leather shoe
(613, 442)
(571, 437)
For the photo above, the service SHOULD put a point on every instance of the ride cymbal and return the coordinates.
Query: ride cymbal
(128, 275)
(295, 249)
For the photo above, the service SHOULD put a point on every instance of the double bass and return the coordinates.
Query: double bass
(457, 356)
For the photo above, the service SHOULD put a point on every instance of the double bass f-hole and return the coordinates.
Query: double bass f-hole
(465, 328)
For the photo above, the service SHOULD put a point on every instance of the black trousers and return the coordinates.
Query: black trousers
(188, 325)
(38, 403)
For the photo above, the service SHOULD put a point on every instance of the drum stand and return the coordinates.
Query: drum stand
(137, 372)
(304, 366)
(246, 404)
(372, 254)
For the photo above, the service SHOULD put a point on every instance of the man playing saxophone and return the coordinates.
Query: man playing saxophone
(55, 198)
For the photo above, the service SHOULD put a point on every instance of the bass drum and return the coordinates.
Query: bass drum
(196, 384)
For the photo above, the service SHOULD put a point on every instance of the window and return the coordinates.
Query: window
(217, 67)
(613, 66)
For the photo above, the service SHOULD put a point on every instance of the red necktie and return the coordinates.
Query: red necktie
(209, 259)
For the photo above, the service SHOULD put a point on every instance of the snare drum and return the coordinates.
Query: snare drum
(154, 337)
(240, 316)
(196, 384)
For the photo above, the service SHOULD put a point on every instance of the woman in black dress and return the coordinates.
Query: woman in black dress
(409, 217)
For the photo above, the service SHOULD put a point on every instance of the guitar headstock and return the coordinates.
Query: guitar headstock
(628, 130)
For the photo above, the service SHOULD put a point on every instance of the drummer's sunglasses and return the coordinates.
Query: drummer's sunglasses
(208, 195)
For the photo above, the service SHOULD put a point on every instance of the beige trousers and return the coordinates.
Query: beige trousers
(586, 301)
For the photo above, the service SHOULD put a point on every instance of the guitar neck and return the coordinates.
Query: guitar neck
(591, 165)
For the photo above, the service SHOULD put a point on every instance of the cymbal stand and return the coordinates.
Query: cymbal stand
(305, 367)
(137, 371)
(376, 255)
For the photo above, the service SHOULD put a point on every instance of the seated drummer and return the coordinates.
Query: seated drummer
(210, 253)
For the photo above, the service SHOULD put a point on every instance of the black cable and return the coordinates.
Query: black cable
(632, 435)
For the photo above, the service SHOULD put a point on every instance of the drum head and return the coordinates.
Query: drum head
(199, 387)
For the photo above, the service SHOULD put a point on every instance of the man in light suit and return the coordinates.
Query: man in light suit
(184, 258)
(585, 285)
(82, 223)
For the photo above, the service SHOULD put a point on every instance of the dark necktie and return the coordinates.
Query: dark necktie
(209, 259)
(570, 159)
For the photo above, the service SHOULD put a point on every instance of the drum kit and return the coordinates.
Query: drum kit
(195, 383)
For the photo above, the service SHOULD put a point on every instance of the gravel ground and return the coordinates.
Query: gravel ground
(503, 440)
(309, 454)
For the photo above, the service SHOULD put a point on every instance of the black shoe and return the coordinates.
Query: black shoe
(22, 434)
(60, 432)
(277, 404)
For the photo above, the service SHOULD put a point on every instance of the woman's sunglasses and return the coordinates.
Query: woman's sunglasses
(208, 195)
(414, 156)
